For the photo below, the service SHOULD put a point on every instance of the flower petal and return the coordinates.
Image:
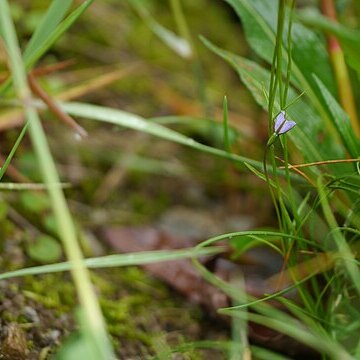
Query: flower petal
(279, 120)
(288, 125)
(282, 125)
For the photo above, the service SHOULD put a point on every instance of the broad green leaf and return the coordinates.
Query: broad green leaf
(309, 55)
(341, 121)
(259, 18)
(349, 38)
(309, 125)
(53, 16)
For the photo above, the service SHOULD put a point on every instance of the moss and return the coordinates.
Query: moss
(136, 306)
(8, 316)
(120, 318)
(54, 291)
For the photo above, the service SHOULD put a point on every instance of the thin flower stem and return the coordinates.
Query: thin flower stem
(267, 178)
(325, 162)
(279, 37)
(227, 146)
(275, 82)
(289, 53)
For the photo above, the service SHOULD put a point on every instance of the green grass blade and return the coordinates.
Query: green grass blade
(272, 317)
(54, 15)
(139, 258)
(349, 38)
(341, 121)
(35, 55)
(296, 330)
(206, 127)
(32, 57)
(138, 123)
(13, 150)
(348, 258)
(135, 122)
(226, 126)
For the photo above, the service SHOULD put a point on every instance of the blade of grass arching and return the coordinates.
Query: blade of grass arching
(201, 125)
(54, 14)
(135, 122)
(138, 123)
(305, 135)
(348, 257)
(255, 235)
(261, 176)
(249, 242)
(13, 150)
(139, 258)
(95, 322)
(341, 121)
(274, 296)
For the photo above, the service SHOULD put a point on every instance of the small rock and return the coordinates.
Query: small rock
(31, 314)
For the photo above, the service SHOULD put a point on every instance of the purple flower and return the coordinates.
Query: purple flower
(282, 125)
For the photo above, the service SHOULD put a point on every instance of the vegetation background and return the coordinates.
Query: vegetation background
(138, 152)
